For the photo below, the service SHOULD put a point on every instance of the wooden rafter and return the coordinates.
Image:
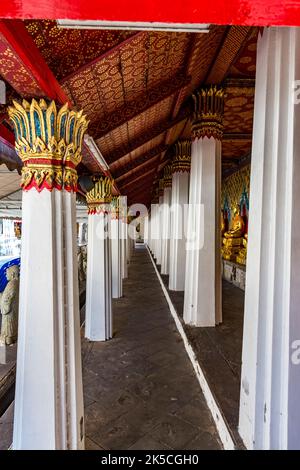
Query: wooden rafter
(137, 171)
(149, 135)
(140, 160)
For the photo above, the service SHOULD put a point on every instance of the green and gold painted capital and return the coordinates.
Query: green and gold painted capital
(100, 195)
(168, 176)
(49, 142)
(208, 113)
(182, 160)
(115, 207)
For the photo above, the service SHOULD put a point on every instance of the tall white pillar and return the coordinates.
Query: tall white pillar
(159, 222)
(270, 382)
(80, 233)
(48, 412)
(202, 298)
(146, 230)
(165, 238)
(124, 234)
(98, 321)
(179, 204)
(116, 248)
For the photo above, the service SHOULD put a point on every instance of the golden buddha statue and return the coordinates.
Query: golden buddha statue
(238, 225)
(233, 238)
(242, 256)
(223, 228)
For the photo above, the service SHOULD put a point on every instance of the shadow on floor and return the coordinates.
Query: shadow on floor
(219, 350)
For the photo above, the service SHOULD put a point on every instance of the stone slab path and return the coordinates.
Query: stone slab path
(140, 388)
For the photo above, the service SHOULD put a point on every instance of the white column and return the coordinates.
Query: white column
(48, 409)
(146, 230)
(124, 234)
(48, 402)
(116, 249)
(80, 233)
(98, 322)
(270, 382)
(165, 236)
(159, 224)
(179, 205)
(202, 298)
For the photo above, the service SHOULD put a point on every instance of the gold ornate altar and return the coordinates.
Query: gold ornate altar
(235, 198)
(233, 238)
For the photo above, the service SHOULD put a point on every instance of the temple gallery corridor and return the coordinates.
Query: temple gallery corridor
(140, 391)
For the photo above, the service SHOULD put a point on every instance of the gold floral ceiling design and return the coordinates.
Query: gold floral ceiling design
(136, 90)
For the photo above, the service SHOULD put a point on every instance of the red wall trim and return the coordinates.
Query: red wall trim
(241, 12)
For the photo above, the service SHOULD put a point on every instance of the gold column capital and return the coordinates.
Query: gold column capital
(115, 207)
(208, 112)
(100, 196)
(168, 176)
(49, 142)
(182, 159)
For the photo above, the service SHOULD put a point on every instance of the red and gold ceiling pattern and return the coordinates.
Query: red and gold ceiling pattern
(234, 149)
(133, 88)
(123, 135)
(245, 65)
(66, 50)
(12, 69)
(238, 110)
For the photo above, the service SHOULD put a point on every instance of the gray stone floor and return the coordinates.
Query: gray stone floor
(219, 351)
(140, 389)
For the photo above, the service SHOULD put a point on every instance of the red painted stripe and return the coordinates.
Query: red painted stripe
(242, 12)
(7, 136)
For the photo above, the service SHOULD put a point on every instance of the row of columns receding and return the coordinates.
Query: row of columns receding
(269, 414)
(49, 400)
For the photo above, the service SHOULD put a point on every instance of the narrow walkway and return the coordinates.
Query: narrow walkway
(140, 388)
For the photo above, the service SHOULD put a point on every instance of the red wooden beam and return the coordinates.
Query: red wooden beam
(241, 12)
(6, 136)
(18, 40)
(28, 61)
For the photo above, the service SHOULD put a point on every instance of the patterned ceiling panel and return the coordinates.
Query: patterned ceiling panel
(121, 81)
(238, 110)
(123, 135)
(245, 65)
(167, 54)
(83, 46)
(116, 139)
(235, 149)
(132, 88)
(13, 70)
(175, 132)
(202, 54)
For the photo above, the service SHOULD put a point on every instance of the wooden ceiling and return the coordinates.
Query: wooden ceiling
(136, 89)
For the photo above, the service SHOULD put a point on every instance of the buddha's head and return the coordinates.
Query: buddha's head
(12, 273)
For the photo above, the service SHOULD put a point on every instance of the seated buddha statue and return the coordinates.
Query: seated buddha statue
(233, 238)
(238, 225)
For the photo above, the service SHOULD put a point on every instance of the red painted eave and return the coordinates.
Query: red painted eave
(239, 12)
